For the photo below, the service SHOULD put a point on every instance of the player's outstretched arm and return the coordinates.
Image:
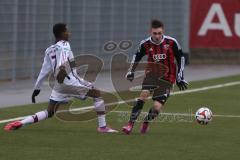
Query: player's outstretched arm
(180, 81)
(45, 70)
(136, 58)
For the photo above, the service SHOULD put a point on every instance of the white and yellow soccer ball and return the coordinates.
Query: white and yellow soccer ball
(203, 115)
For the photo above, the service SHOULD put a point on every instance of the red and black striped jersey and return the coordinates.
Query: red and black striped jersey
(161, 55)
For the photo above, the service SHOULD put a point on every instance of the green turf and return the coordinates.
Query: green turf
(180, 138)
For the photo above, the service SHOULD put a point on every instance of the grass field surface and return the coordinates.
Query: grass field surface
(170, 136)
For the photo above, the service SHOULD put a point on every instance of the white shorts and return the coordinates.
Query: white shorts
(75, 87)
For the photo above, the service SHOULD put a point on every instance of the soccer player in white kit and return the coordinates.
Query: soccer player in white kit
(58, 58)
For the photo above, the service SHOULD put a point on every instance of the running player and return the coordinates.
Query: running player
(161, 51)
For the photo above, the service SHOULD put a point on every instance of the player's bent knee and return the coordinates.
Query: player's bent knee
(161, 99)
(94, 93)
(143, 98)
(144, 95)
(157, 105)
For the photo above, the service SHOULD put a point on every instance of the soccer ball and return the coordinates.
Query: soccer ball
(203, 115)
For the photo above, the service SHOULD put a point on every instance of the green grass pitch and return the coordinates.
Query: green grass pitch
(166, 140)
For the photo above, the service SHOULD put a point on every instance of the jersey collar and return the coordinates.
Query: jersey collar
(159, 42)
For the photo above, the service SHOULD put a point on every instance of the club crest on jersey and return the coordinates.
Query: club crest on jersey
(158, 57)
(166, 46)
(150, 49)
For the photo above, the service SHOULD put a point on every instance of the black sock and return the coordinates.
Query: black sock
(151, 115)
(136, 110)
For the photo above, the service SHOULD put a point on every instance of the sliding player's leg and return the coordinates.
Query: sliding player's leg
(37, 117)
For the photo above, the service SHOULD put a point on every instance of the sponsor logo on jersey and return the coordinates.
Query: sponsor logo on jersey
(158, 57)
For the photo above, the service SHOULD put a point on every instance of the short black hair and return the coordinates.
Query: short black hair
(157, 24)
(58, 29)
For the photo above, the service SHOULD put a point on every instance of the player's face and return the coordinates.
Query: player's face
(157, 34)
(66, 34)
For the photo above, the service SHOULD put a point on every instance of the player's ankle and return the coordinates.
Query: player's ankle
(103, 127)
(146, 122)
(131, 122)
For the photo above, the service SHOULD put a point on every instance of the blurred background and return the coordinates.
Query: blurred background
(208, 31)
(26, 28)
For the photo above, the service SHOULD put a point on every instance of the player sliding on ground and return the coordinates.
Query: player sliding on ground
(161, 51)
(57, 58)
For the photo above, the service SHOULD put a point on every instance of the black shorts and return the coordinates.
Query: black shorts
(159, 87)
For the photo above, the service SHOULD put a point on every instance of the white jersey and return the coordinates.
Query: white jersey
(58, 55)
(55, 56)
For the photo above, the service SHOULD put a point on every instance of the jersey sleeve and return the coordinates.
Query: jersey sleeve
(137, 57)
(45, 70)
(180, 59)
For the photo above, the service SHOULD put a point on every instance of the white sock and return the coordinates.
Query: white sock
(39, 116)
(99, 105)
(27, 120)
(102, 120)
(42, 115)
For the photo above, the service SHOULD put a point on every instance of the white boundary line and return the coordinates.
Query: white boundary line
(184, 114)
(175, 93)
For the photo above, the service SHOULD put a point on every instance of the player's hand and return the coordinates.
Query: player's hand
(182, 84)
(62, 74)
(34, 94)
(130, 76)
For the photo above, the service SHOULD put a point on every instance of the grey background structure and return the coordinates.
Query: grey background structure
(26, 31)
(21, 91)
(26, 28)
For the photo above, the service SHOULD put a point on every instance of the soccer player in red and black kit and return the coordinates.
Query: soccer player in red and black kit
(162, 51)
